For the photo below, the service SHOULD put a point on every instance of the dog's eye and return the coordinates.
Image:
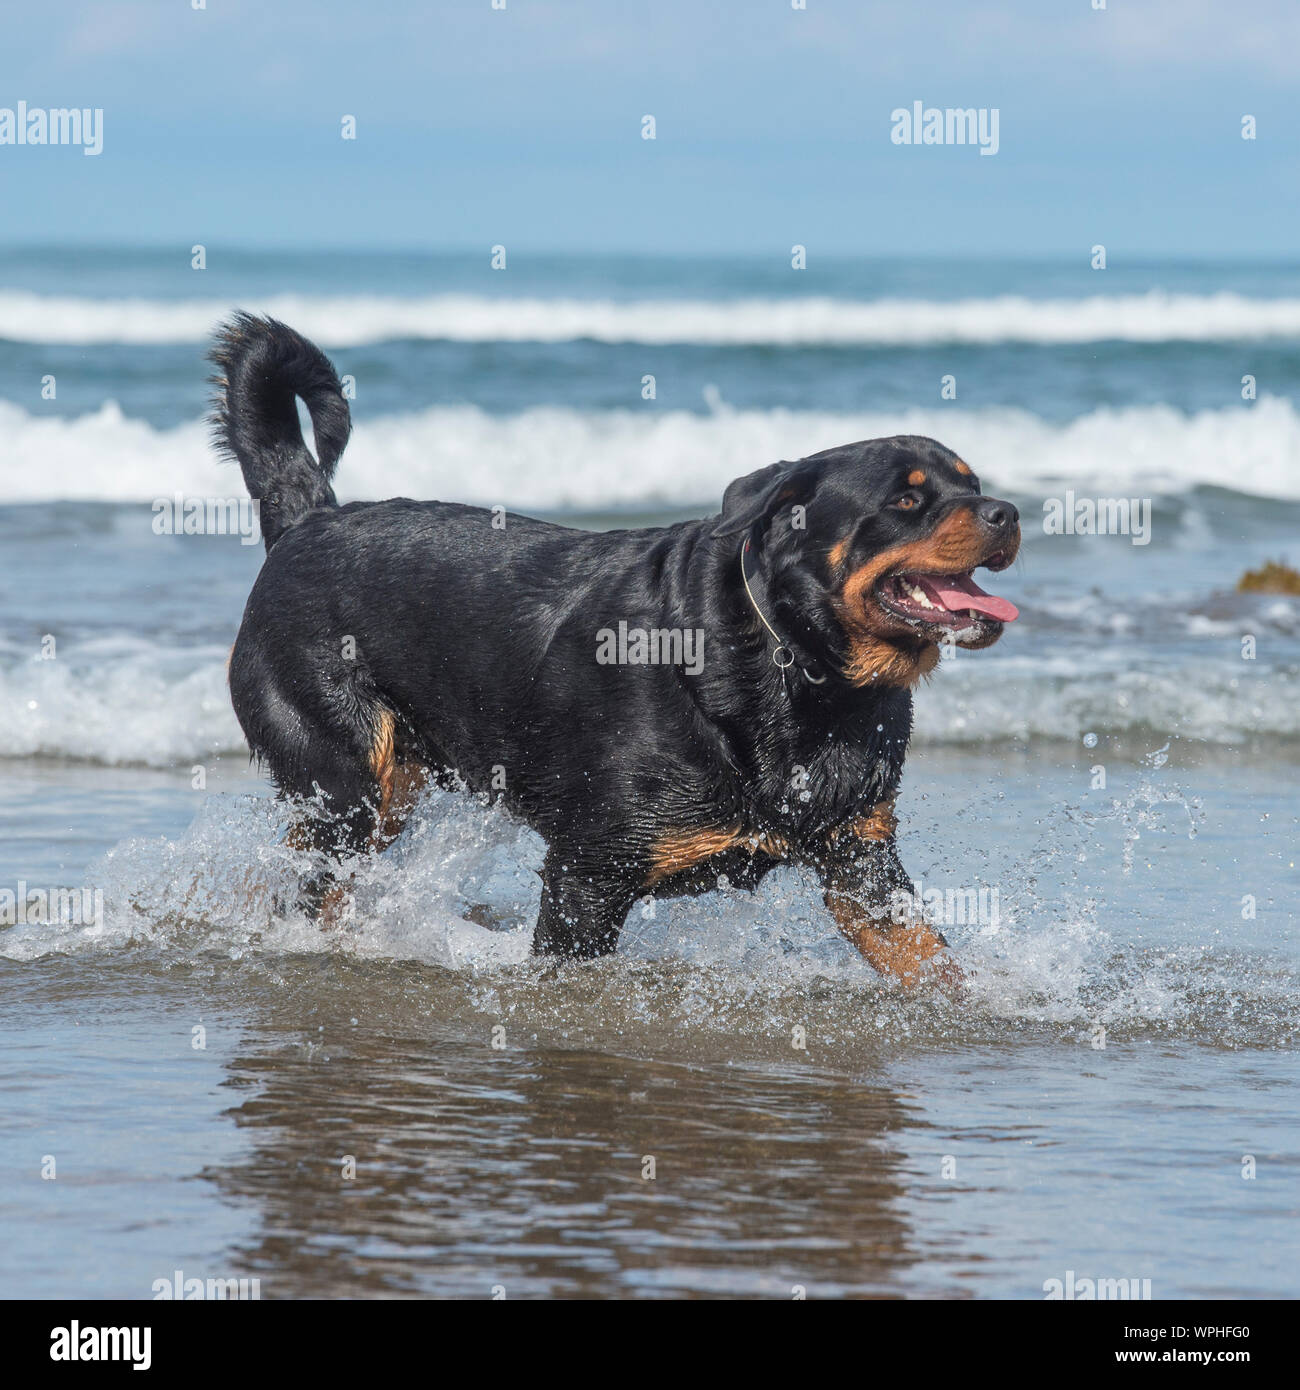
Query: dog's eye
(909, 501)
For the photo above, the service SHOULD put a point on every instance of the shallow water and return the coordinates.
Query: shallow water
(1126, 1042)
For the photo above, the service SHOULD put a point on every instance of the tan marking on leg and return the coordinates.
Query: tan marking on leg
(298, 836)
(685, 849)
(400, 783)
(383, 760)
(336, 906)
(910, 952)
(878, 824)
(916, 477)
(777, 846)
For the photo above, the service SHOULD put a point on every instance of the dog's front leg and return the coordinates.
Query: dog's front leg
(869, 895)
(582, 909)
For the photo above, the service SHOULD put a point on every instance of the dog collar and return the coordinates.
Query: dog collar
(783, 656)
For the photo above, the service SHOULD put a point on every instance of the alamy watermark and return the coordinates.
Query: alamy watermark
(945, 907)
(656, 646)
(1098, 516)
(179, 1287)
(1076, 1287)
(73, 907)
(73, 1342)
(179, 515)
(57, 125)
(948, 125)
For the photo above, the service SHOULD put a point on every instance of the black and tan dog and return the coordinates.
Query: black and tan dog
(664, 706)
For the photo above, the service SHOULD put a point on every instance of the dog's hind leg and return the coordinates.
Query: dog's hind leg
(331, 742)
(338, 819)
(379, 812)
(345, 781)
(401, 781)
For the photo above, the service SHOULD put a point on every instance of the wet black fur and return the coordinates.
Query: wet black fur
(482, 641)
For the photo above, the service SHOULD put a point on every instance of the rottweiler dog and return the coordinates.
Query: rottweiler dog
(664, 706)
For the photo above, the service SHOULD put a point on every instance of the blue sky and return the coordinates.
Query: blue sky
(522, 126)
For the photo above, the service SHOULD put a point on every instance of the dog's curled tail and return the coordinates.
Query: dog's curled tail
(262, 367)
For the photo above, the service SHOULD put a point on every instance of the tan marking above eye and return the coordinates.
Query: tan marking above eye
(916, 477)
(963, 468)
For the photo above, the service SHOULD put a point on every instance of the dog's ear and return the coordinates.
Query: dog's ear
(757, 495)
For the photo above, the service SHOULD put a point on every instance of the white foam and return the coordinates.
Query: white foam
(119, 702)
(352, 320)
(976, 700)
(557, 458)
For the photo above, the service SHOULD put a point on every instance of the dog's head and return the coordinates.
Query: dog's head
(867, 551)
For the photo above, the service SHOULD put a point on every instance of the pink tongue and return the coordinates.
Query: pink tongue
(958, 594)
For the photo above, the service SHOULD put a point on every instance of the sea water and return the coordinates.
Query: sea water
(734, 1103)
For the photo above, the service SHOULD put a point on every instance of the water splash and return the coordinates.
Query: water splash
(457, 894)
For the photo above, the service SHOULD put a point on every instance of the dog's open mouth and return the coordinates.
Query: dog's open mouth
(948, 601)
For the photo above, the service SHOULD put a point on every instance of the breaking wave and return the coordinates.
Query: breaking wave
(558, 458)
(343, 321)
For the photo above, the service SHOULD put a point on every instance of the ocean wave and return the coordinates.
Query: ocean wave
(353, 320)
(1045, 698)
(556, 458)
(145, 703)
(164, 706)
